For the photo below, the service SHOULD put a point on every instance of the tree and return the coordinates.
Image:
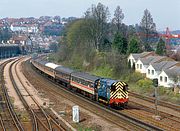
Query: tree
(78, 41)
(134, 46)
(120, 43)
(118, 17)
(5, 34)
(147, 26)
(53, 47)
(97, 17)
(161, 47)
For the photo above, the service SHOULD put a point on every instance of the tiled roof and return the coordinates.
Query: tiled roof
(136, 56)
(142, 55)
(20, 38)
(173, 72)
(151, 59)
(163, 65)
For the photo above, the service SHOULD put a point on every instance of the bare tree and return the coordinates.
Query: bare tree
(97, 17)
(148, 26)
(118, 17)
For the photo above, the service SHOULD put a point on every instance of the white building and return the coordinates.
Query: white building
(18, 28)
(143, 63)
(169, 77)
(154, 69)
(25, 28)
(133, 57)
(166, 70)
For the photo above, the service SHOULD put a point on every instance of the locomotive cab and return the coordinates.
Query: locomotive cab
(113, 93)
(119, 94)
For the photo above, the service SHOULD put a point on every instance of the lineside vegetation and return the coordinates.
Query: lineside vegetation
(100, 45)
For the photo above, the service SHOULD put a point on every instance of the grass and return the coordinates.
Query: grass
(103, 71)
(136, 81)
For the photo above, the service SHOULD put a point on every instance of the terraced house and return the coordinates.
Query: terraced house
(133, 57)
(166, 70)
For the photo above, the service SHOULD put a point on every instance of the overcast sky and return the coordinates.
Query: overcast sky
(166, 13)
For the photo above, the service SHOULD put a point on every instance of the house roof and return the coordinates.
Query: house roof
(20, 38)
(163, 65)
(136, 56)
(172, 72)
(151, 59)
(142, 55)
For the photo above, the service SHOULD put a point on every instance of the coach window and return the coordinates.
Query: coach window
(91, 85)
(72, 78)
(67, 76)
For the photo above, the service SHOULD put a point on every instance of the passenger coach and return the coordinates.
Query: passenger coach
(108, 91)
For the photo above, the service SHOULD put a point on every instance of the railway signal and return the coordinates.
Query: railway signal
(155, 83)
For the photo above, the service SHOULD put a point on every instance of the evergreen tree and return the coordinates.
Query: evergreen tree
(125, 45)
(120, 43)
(134, 46)
(161, 47)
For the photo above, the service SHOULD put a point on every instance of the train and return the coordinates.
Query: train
(111, 92)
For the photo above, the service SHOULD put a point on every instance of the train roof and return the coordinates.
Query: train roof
(64, 69)
(86, 76)
(51, 65)
(41, 62)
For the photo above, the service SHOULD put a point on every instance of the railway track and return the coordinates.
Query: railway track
(9, 119)
(165, 116)
(146, 115)
(129, 121)
(160, 102)
(38, 114)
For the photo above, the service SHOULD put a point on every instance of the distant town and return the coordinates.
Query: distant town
(36, 33)
(40, 33)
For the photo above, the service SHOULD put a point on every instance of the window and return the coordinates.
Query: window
(137, 66)
(152, 72)
(161, 78)
(140, 66)
(165, 79)
(148, 71)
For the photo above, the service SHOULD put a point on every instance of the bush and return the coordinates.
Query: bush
(145, 85)
(103, 71)
(134, 77)
(162, 90)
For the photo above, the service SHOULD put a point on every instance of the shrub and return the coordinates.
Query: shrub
(134, 77)
(145, 85)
